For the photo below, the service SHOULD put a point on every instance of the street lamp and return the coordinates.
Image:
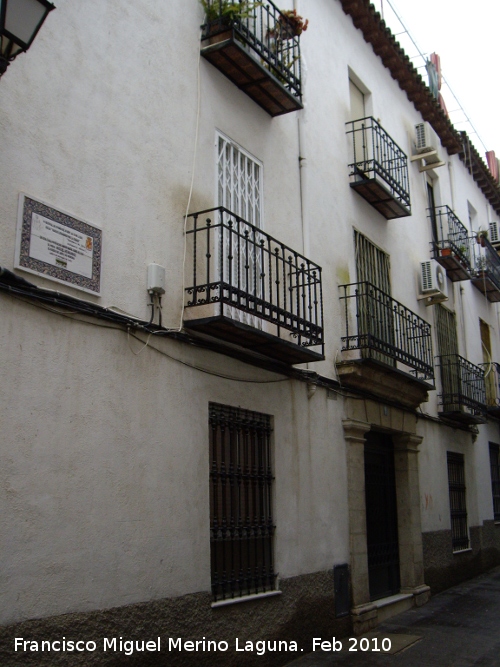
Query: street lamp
(20, 20)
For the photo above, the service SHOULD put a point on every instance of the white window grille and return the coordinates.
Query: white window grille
(239, 189)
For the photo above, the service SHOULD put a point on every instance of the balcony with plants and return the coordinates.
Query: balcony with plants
(451, 245)
(486, 267)
(463, 390)
(379, 168)
(257, 46)
(386, 349)
(250, 290)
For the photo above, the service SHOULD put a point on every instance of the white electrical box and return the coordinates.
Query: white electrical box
(156, 279)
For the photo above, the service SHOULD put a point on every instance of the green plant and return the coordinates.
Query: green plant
(228, 11)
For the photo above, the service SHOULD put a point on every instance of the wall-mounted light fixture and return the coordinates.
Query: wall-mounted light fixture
(20, 20)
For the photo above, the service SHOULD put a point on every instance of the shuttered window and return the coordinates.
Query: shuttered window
(489, 377)
(375, 312)
(446, 331)
(372, 263)
(447, 343)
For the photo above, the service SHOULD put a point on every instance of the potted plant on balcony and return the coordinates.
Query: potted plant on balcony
(482, 237)
(481, 266)
(289, 25)
(221, 14)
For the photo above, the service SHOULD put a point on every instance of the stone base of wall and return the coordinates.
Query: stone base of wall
(444, 569)
(304, 610)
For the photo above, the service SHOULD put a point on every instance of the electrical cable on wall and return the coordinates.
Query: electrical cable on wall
(193, 170)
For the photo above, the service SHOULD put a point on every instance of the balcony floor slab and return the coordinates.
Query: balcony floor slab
(462, 417)
(235, 61)
(251, 338)
(386, 382)
(485, 284)
(455, 269)
(380, 197)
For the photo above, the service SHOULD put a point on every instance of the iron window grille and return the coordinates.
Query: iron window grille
(241, 519)
(266, 32)
(463, 385)
(238, 266)
(376, 155)
(452, 236)
(458, 507)
(382, 325)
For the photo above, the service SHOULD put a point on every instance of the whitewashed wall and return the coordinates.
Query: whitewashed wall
(106, 477)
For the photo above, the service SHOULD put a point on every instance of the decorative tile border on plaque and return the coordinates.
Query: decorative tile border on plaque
(57, 246)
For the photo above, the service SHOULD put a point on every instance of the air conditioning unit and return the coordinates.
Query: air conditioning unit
(433, 283)
(494, 235)
(427, 147)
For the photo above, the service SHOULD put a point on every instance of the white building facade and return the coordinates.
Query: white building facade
(230, 405)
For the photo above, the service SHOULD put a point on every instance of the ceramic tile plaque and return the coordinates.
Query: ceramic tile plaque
(58, 246)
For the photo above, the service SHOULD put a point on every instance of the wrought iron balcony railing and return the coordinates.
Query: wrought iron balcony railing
(486, 269)
(463, 394)
(248, 288)
(379, 168)
(385, 330)
(257, 46)
(451, 245)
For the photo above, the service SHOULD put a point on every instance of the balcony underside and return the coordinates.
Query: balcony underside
(251, 338)
(379, 196)
(455, 269)
(232, 58)
(464, 416)
(487, 286)
(386, 382)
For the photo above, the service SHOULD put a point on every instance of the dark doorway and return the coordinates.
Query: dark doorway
(381, 516)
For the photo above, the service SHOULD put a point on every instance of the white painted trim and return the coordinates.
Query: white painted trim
(392, 599)
(246, 598)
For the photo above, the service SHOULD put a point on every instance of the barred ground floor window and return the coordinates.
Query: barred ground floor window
(458, 506)
(495, 479)
(241, 487)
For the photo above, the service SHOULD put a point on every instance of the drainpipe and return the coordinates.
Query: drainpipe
(303, 161)
(452, 184)
(303, 167)
(303, 187)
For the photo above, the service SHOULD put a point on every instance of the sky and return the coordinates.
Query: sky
(466, 36)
